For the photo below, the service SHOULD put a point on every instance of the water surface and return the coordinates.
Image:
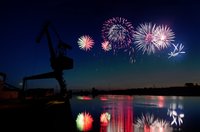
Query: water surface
(122, 113)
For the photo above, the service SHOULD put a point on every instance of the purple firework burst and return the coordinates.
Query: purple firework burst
(119, 32)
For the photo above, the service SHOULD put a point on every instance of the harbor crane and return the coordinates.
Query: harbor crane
(58, 59)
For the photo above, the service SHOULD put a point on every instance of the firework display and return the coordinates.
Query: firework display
(149, 123)
(145, 120)
(119, 32)
(164, 36)
(105, 118)
(106, 46)
(177, 50)
(175, 112)
(161, 126)
(145, 38)
(119, 36)
(84, 121)
(85, 42)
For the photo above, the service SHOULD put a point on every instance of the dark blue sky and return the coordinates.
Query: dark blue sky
(21, 56)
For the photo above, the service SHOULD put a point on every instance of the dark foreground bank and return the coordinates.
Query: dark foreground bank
(36, 116)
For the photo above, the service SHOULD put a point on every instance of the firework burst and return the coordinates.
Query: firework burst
(145, 120)
(178, 49)
(161, 123)
(105, 118)
(164, 36)
(145, 38)
(85, 42)
(106, 46)
(84, 121)
(119, 32)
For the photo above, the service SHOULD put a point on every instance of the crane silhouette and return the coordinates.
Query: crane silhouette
(58, 59)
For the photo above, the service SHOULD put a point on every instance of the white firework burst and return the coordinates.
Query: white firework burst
(178, 49)
(85, 42)
(161, 123)
(106, 46)
(145, 38)
(164, 36)
(176, 117)
(145, 120)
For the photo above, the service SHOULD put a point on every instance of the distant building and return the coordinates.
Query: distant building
(189, 84)
(39, 93)
(7, 93)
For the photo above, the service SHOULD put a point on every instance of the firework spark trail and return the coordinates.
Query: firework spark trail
(145, 38)
(131, 54)
(85, 42)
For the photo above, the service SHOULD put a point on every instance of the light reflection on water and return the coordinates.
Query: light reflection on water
(121, 113)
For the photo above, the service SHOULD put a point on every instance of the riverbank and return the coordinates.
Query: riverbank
(170, 91)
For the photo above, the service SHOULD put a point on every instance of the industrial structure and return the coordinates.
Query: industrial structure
(7, 91)
(58, 59)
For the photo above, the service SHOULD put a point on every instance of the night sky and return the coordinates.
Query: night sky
(21, 21)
